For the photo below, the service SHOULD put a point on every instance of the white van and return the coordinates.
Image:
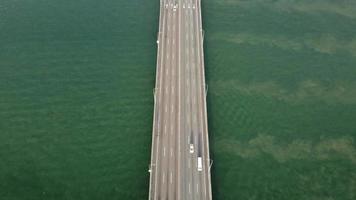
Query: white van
(200, 164)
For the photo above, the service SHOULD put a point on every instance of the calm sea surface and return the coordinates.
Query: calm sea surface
(76, 101)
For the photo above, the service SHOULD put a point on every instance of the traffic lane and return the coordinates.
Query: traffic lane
(183, 124)
(168, 187)
(158, 162)
(197, 183)
(193, 159)
(172, 135)
(196, 35)
(177, 106)
(190, 158)
(186, 107)
(205, 141)
(191, 164)
(179, 127)
(206, 176)
(163, 170)
(200, 88)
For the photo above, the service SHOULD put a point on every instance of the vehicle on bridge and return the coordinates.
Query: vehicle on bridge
(200, 164)
(191, 143)
(191, 148)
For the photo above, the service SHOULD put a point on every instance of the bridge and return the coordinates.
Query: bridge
(180, 163)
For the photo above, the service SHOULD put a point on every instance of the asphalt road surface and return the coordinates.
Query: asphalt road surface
(180, 131)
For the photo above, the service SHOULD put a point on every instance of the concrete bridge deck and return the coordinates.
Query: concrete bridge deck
(180, 162)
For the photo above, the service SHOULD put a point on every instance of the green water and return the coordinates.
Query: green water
(282, 98)
(76, 81)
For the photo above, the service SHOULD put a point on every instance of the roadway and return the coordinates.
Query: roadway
(180, 117)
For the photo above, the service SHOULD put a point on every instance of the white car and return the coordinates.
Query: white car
(191, 148)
